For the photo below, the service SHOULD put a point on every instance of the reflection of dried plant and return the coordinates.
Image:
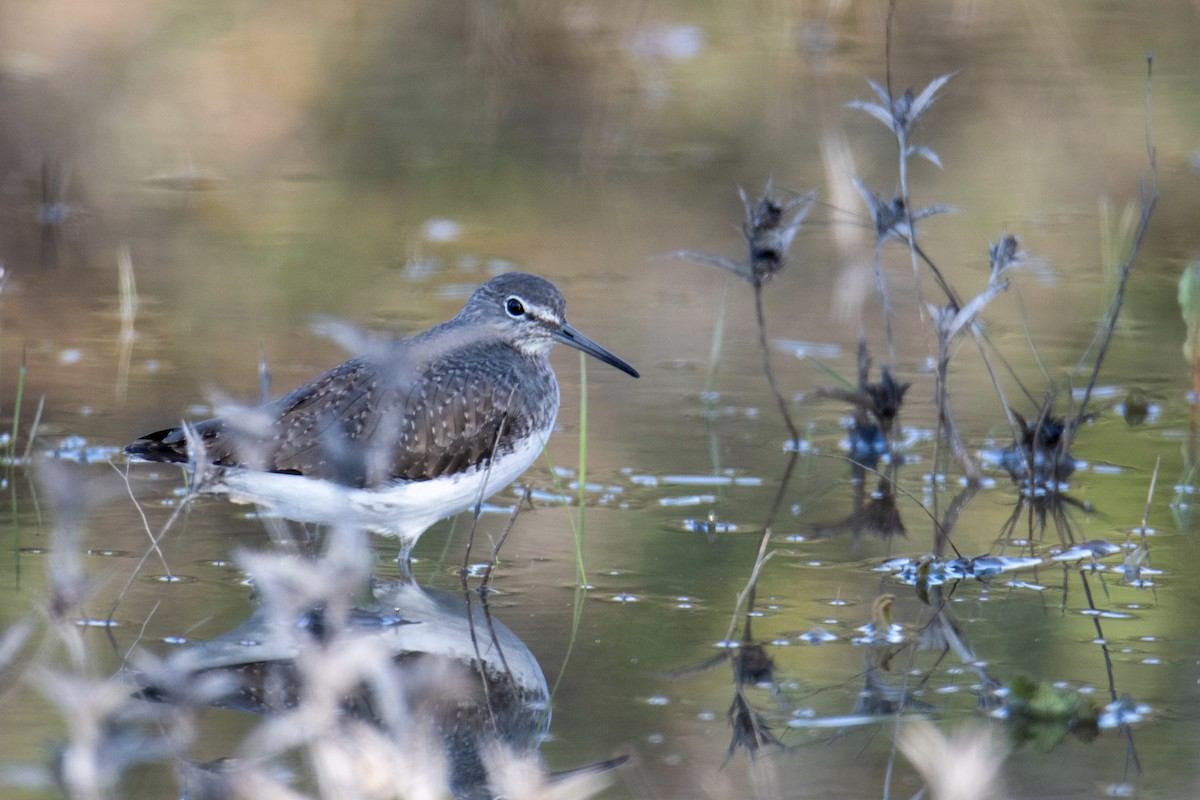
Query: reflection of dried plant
(752, 666)
(1039, 458)
(877, 515)
(1038, 509)
(885, 398)
(876, 408)
(750, 730)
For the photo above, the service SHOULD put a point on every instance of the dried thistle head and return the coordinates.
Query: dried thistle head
(771, 224)
(1005, 255)
(900, 114)
(943, 319)
(891, 216)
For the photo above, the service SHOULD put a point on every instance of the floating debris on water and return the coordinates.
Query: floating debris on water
(932, 572)
(594, 488)
(687, 500)
(1037, 587)
(1091, 549)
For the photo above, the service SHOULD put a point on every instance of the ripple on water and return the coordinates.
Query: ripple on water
(109, 553)
(77, 450)
(708, 526)
(687, 500)
(817, 636)
(727, 479)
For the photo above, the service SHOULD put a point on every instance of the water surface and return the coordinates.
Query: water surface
(264, 166)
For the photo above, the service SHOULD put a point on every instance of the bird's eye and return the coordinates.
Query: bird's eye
(514, 307)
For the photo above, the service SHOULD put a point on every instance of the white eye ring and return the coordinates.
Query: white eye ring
(514, 307)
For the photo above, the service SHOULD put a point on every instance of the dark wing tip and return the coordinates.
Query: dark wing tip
(167, 446)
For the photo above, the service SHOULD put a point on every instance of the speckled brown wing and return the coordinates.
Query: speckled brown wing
(322, 429)
(468, 409)
(364, 423)
(306, 432)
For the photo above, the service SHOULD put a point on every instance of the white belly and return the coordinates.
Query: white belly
(405, 508)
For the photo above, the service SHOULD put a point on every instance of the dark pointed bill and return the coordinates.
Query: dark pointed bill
(573, 338)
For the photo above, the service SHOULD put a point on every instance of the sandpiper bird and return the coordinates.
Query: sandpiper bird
(397, 439)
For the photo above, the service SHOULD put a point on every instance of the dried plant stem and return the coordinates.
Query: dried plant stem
(718, 337)
(760, 560)
(16, 420)
(793, 431)
(483, 493)
(128, 314)
(958, 448)
(885, 301)
(33, 429)
(512, 520)
(576, 617)
(763, 554)
(987, 363)
(581, 528)
(1149, 199)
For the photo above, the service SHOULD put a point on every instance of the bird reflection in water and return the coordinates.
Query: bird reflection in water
(415, 693)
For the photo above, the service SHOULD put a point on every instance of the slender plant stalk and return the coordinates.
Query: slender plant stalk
(16, 422)
(33, 429)
(885, 301)
(576, 617)
(576, 528)
(718, 337)
(483, 494)
(793, 432)
(512, 520)
(582, 494)
(128, 313)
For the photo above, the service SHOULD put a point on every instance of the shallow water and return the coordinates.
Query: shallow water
(266, 167)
